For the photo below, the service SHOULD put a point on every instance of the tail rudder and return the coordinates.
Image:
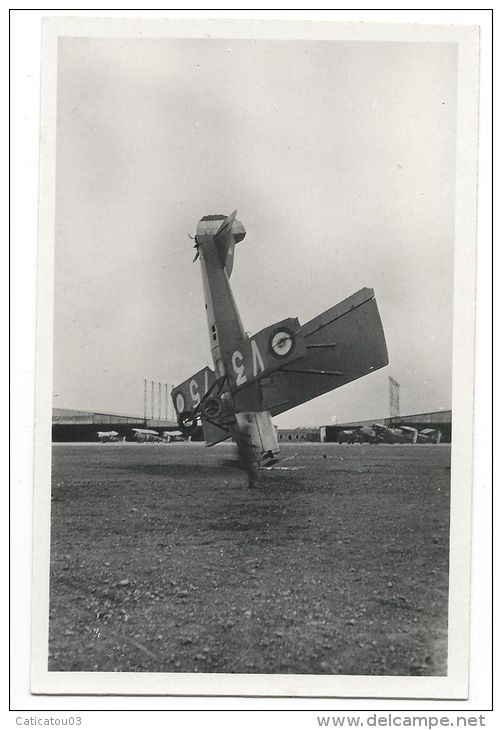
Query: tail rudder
(225, 232)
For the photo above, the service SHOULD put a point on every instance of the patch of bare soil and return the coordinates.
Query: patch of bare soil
(163, 561)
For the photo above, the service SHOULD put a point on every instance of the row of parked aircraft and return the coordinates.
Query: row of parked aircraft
(377, 433)
(141, 435)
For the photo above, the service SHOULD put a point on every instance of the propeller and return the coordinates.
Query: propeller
(194, 238)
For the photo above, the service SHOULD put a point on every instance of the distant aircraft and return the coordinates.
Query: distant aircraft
(367, 434)
(378, 433)
(409, 434)
(285, 364)
(172, 436)
(146, 435)
(385, 435)
(429, 436)
(350, 436)
(108, 436)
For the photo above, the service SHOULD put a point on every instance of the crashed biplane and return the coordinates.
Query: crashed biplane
(285, 364)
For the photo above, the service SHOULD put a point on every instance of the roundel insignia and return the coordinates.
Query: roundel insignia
(282, 342)
(180, 403)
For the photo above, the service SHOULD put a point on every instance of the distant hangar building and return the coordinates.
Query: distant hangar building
(74, 425)
(438, 420)
(302, 433)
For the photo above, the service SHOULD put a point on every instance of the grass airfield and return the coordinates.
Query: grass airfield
(162, 560)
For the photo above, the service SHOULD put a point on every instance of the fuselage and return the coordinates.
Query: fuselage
(248, 424)
(226, 332)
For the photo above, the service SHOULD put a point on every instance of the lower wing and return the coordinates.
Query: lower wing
(189, 396)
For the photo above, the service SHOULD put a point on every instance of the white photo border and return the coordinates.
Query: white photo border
(455, 684)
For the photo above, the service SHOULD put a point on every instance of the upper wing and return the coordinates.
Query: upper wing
(342, 344)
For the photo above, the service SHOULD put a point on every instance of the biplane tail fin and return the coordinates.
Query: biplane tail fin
(230, 232)
(225, 231)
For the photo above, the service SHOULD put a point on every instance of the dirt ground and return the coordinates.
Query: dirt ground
(162, 560)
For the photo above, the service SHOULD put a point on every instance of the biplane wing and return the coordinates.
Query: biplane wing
(188, 395)
(342, 344)
(269, 349)
(285, 365)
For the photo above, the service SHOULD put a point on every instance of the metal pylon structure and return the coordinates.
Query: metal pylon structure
(153, 407)
(394, 387)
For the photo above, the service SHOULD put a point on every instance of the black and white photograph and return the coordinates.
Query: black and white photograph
(254, 397)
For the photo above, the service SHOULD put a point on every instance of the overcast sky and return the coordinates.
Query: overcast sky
(340, 158)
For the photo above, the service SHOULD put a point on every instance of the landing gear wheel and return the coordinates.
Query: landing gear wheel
(212, 407)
